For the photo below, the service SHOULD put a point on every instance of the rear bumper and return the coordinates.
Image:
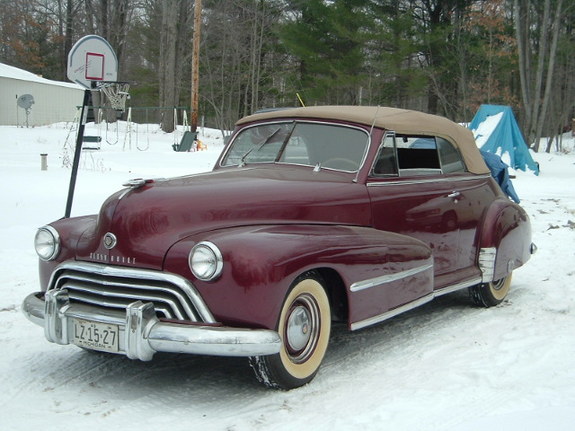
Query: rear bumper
(142, 334)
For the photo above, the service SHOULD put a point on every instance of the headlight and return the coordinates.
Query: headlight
(206, 261)
(47, 243)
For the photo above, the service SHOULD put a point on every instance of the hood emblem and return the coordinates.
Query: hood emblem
(110, 240)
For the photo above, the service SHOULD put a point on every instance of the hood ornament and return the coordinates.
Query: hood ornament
(136, 182)
(110, 240)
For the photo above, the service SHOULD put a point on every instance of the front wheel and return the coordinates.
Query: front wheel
(492, 293)
(304, 327)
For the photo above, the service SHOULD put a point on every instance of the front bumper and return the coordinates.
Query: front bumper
(142, 334)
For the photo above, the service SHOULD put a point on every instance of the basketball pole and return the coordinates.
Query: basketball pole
(90, 60)
(77, 152)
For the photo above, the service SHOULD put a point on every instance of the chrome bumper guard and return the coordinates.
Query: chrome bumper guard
(142, 334)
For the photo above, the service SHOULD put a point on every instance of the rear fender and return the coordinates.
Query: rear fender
(261, 262)
(505, 240)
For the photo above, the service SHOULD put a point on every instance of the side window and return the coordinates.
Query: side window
(451, 160)
(386, 162)
(417, 155)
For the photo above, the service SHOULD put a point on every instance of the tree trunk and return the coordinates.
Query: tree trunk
(170, 10)
(535, 90)
(554, 26)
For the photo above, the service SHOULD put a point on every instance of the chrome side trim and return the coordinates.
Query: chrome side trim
(456, 287)
(388, 278)
(142, 334)
(437, 179)
(486, 262)
(392, 313)
(414, 304)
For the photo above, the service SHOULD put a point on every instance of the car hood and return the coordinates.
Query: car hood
(146, 221)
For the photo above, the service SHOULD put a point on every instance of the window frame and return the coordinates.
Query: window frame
(296, 121)
(422, 171)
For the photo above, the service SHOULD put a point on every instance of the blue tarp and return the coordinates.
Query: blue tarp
(505, 137)
(499, 171)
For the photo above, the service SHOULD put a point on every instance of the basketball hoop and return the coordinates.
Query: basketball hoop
(116, 92)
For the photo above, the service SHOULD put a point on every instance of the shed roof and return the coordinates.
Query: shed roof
(12, 72)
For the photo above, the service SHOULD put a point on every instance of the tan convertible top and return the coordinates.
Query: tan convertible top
(401, 121)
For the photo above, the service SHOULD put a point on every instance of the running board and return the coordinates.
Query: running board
(414, 304)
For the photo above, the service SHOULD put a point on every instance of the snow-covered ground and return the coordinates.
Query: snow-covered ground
(445, 366)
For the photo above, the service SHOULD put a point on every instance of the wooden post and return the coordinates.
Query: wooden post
(196, 65)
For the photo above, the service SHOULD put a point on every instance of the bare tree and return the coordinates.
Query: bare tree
(175, 51)
(536, 66)
(238, 58)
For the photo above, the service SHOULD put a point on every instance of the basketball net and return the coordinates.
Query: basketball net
(117, 93)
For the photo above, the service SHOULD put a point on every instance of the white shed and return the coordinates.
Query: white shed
(53, 101)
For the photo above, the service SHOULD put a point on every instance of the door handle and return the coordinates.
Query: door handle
(454, 195)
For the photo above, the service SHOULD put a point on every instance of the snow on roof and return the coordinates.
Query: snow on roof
(23, 75)
(486, 128)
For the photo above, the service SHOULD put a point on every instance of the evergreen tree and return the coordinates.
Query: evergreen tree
(327, 41)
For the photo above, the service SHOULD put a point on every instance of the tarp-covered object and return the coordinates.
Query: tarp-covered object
(496, 131)
(499, 172)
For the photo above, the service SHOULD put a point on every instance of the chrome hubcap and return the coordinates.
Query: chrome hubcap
(298, 328)
(498, 284)
(302, 328)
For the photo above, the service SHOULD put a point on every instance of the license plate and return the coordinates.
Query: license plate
(96, 336)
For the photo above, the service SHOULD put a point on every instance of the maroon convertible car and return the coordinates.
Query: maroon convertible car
(310, 216)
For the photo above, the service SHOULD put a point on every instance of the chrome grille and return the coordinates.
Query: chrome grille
(112, 287)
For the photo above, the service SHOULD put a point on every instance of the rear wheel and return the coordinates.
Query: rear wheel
(492, 293)
(304, 327)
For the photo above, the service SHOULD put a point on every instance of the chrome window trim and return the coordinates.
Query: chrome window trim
(439, 171)
(441, 178)
(388, 278)
(387, 134)
(306, 121)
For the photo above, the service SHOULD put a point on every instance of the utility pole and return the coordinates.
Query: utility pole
(196, 65)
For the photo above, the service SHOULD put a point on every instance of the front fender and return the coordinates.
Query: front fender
(260, 263)
(70, 231)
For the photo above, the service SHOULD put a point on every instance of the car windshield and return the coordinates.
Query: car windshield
(303, 143)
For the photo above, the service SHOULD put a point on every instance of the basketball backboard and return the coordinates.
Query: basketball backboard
(92, 59)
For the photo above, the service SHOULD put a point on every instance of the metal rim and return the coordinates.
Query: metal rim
(498, 284)
(302, 328)
(500, 288)
(218, 261)
(55, 236)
